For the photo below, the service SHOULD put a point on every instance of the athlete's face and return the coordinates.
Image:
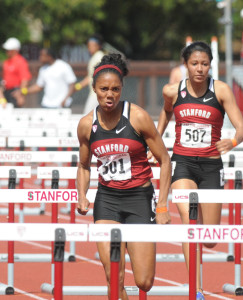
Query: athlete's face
(108, 87)
(198, 66)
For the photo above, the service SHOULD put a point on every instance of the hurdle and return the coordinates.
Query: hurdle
(43, 143)
(154, 233)
(27, 232)
(12, 174)
(237, 194)
(223, 196)
(236, 289)
(24, 196)
(132, 233)
(229, 174)
(30, 196)
(71, 172)
(35, 157)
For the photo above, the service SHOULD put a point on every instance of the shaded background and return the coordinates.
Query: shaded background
(150, 34)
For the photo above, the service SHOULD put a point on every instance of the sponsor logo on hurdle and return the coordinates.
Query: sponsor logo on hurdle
(211, 234)
(100, 233)
(53, 196)
(182, 197)
(75, 233)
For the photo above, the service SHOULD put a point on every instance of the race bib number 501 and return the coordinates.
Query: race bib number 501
(196, 135)
(115, 167)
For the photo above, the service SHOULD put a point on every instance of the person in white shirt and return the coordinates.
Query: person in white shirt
(94, 45)
(56, 78)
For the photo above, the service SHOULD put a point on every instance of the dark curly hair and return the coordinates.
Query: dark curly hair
(114, 59)
(196, 46)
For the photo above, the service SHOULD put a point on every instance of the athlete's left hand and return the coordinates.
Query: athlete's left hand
(83, 206)
(163, 218)
(224, 146)
(151, 158)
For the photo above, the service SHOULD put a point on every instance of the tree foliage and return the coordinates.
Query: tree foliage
(142, 29)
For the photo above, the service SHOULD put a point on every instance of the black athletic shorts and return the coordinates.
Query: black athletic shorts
(126, 206)
(206, 172)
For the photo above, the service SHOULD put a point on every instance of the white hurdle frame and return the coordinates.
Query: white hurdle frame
(35, 157)
(71, 172)
(7, 172)
(25, 172)
(77, 232)
(223, 196)
(237, 199)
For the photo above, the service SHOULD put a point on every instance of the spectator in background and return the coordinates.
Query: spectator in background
(57, 79)
(94, 45)
(16, 74)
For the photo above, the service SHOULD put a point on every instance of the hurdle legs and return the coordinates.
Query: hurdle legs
(236, 289)
(193, 213)
(7, 290)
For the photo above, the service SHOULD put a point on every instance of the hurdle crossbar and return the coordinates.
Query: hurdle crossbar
(142, 233)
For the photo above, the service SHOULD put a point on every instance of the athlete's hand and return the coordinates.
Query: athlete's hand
(151, 158)
(163, 218)
(224, 146)
(83, 206)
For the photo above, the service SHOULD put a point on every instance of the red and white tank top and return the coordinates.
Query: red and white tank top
(121, 153)
(198, 122)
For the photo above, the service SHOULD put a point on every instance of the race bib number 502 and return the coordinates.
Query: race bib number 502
(115, 167)
(196, 135)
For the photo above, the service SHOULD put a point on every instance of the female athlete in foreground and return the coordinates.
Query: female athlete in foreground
(199, 104)
(118, 133)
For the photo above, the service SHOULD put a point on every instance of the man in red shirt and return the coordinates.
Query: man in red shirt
(16, 74)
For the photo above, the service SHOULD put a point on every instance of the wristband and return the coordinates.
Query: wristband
(78, 86)
(24, 91)
(234, 142)
(3, 101)
(161, 209)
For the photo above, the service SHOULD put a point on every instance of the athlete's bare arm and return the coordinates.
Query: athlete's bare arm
(170, 92)
(175, 75)
(226, 98)
(144, 125)
(83, 173)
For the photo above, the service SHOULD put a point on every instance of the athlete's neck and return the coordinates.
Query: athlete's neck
(109, 119)
(197, 89)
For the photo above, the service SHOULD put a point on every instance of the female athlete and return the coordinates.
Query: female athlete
(118, 134)
(199, 104)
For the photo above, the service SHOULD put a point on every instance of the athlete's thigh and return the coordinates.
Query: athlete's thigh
(183, 208)
(211, 213)
(142, 256)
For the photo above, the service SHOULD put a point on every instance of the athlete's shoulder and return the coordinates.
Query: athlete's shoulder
(137, 111)
(171, 89)
(140, 119)
(221, 88)
(84, 125)
(218, 84)
(223, 91)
